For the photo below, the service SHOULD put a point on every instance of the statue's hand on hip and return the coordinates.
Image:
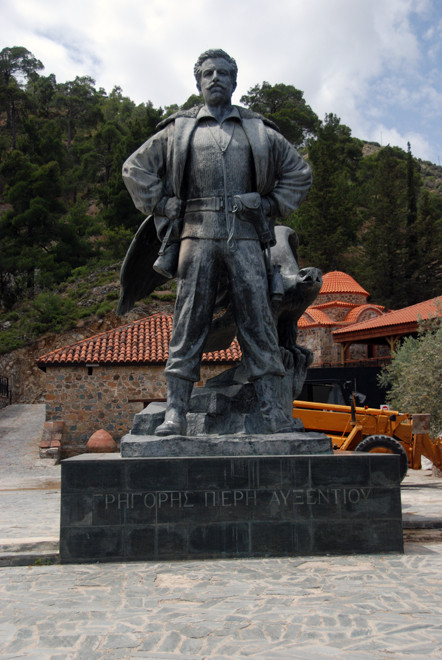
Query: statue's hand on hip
(173, 208)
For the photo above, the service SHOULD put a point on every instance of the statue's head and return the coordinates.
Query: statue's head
(215, 53)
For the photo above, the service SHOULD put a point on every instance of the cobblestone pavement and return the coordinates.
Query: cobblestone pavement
(351, 608)
(347, 608)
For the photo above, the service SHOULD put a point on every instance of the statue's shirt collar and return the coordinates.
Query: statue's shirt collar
(204, 113)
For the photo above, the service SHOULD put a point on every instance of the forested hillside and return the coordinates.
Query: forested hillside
(66, 219)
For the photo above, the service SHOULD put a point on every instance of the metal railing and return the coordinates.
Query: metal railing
(5, 391)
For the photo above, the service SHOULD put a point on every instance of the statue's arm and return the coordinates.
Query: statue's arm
(144, 173)
(292, 176)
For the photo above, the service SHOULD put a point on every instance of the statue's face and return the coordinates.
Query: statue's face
(216, 82)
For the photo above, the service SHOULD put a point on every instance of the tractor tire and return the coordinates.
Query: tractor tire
(384, 444)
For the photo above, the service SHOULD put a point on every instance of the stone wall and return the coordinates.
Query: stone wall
(87, 399)
(368, 314)
(338, 312)
(320, 341)
(358, 352)
(355, 298)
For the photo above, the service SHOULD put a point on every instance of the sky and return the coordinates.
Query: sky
(376, 64)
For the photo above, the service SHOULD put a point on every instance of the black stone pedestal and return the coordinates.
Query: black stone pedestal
(165, 508)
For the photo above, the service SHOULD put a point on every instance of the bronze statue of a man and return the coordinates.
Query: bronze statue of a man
(215, 178)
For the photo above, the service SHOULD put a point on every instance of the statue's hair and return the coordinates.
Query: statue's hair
(215, 52)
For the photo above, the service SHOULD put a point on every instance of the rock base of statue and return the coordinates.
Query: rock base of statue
(225, 406)
(253, 444)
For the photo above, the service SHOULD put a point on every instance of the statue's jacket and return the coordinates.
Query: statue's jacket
(156, 170)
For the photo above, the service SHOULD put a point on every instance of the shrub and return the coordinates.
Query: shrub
(413, 378)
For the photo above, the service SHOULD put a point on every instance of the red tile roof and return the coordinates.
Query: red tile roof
(353, 314)
(335, 303)
(338, 282)
(143, 342)
(316, 317)
(401, 321)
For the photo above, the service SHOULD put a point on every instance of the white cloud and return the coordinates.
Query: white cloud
(368, 61)
(390, 136)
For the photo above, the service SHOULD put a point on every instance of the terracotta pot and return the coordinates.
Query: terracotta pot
(101, 442)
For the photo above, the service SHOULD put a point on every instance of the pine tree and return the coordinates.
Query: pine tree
(325, 222)
(382, 238)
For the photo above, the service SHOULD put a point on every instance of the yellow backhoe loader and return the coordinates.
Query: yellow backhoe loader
(357, 428)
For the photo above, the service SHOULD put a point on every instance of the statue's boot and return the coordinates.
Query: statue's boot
(276, 419)
(178, 396)
(167, 262)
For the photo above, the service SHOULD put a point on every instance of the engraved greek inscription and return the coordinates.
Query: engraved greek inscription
(109, 499)
(335, 493)
(228, 498)
(134, 495)
(251, 497)
(150, 500)
(124, 500)
(186, 503)
(209, 495)
(298, 497)
(238, 495)
(121, 500)
(354, 496)
(311, 497)
(285, 496)
(225, 495)
(319, 496)
(323, 497)
(175, 499)
(162, 498)
(275, 498)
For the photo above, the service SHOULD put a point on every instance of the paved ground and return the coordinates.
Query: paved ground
(359, 607)
(29, 486)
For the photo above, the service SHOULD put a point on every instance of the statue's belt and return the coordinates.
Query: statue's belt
(209, 204)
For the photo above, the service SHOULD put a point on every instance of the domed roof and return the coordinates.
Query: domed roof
(338, 282)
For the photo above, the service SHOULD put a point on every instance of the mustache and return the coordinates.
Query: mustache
(216, 85)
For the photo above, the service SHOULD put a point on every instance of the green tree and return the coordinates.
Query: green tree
(412, 258)
(381, 262)
(79, 103)
(105, 143)
(31, 225)
(118, 108)
(326, 221)
(413, 376)
(285, 105)
(117, 209)
(76, 243)
(42, 92)
(428, 277)
(17, 64)
(41, 140)
(51, 313)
